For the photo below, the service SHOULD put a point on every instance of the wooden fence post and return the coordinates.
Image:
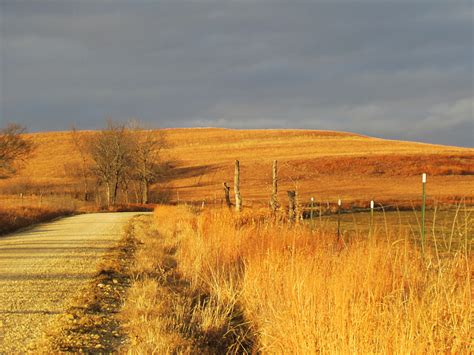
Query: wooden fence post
(291, 206)
(339, 203)
(238, 198)
(274, 200)
(227, 195)
(423, 212)
(371, 231)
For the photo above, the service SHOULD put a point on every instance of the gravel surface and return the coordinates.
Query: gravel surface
(41, 269)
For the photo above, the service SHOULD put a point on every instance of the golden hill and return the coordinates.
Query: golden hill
(324, 164)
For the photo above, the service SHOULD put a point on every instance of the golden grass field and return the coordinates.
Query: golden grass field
(327, 165)
(215, 281)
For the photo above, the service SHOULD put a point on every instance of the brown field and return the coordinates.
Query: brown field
(324, 164)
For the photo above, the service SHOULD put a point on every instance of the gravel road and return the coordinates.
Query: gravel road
(42, 268)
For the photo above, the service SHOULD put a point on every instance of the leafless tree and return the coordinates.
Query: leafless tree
(80, 144)
(146, 155)
(125, 157)
(112, 153)
(14, 148)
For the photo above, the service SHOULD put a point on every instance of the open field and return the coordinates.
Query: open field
(451, 228)
(324, 164)
(259, 285)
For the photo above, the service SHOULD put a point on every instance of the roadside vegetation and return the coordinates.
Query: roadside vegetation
(262, 285)
(12, 219)
(164, 312)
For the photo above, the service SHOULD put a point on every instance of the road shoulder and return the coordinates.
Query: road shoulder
(90, 323)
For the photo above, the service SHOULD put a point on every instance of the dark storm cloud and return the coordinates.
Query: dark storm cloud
(387, 68)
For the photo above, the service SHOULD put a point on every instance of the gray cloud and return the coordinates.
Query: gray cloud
(393, 69)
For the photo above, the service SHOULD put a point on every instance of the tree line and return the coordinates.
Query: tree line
(122, 157)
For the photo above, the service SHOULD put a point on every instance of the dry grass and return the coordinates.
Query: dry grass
(146, 314)
(328, 165)
(306, 292)
(164, 314)
(15, 218)
(17, 213)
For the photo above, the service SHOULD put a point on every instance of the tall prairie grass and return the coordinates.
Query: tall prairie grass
(304, 291)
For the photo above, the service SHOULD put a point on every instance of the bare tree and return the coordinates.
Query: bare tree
(146, 155)
(112, 153)
(81, 147)
(125, 157)
(13, 148)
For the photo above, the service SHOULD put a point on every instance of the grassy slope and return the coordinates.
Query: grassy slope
(325, 164)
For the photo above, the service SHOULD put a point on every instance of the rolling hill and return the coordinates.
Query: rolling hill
(324, 164)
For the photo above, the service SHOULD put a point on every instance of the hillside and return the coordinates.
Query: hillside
(324, 164)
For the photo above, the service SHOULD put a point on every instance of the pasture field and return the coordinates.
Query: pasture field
(449, 229)
(325, 164)
(15, 201)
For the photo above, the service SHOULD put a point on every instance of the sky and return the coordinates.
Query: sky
(387, 68)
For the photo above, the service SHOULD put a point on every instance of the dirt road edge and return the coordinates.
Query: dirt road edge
(90, 323)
